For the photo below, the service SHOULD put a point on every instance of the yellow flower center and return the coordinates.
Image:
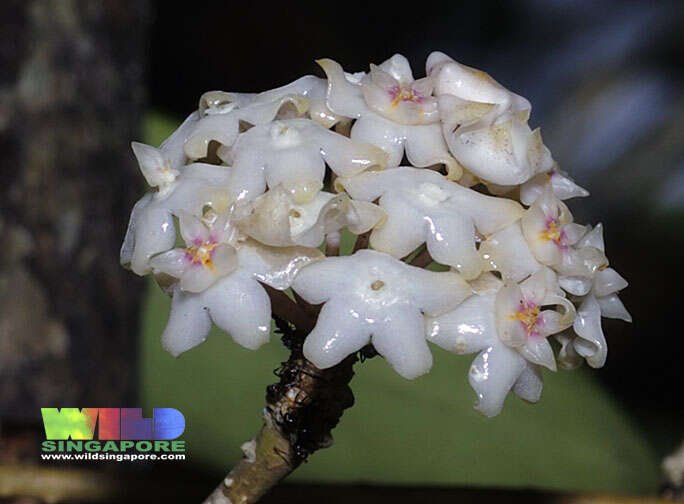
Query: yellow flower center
(202, 255)
(528, 316)
(552, 232)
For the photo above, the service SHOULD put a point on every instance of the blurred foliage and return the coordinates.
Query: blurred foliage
(414, 433)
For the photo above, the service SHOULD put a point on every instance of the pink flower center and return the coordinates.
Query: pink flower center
(202, 253)
(402, 94)
(528, 316)
(554, 232)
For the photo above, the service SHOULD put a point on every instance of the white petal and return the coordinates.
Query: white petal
(508, 252)
(188, 323)
(577, 286)
(174, 262)
(529, 385)
(172, 147)
(584, 262)
(154, 166)
(469, 328)
(268, 220)
(538, 351)
(154, 232)
(593, 238)
(435, 292)
(197, 278)
(400, 339)
(508, 301)
(128, 245)
(339, 332)
(608, 281)
(612, 307)
(240, 306)
(425, 146)
(387, 135)
(276, 266)
(347, 157)
(193, 230)
(492, 375)
(344, 97)
(319, 281)
(568, 358)
(563, 187)
(591, 343)
(402, 232)
(451, 241)
(469, 83)
(398, 67)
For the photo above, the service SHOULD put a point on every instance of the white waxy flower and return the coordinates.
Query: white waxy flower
(237, 302)
(393, 112)
(222, 123)
(151, 228)
(562, 186)
(208, 255)
(598, 297)
(470, 84)
(276, 219)
(548, 228)
(371, 297)
(499, 148)
(507, 251)
(485, 125)
(294, 153)
(422, 206)
(509, 328)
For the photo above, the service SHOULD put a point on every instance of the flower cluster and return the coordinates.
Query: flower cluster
(256, 185)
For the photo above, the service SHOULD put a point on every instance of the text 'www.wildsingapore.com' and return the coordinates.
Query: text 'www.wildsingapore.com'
(122, 434)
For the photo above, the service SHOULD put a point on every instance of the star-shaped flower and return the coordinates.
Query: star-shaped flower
(485, 125)
(548, 228)
(276, 219)
(188, 188)
(293, 153)
(392, 111)
(219, 281)
(509, 328)
(370, 297)
(424, 206)
(597, 297)
(224, 114)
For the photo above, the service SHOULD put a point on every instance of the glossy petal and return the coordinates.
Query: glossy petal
(538, 351)
(468, 83)
(507, 251)
(529, 384)
(492, 375)
(188, 323)
(383, 133)
(608, 281)
(563, 187)
(239, 305)
(344, 97)
(339, 332)
(612, 307)
(400, 339)
(469, 328)
(591, 343)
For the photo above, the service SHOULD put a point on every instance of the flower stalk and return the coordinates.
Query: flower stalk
(301, 410)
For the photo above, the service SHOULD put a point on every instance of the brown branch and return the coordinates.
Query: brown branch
(302, 409)
(287, 309)
(362, 241)
(422, 259)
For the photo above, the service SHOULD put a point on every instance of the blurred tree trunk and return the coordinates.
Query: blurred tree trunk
(71, 96)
